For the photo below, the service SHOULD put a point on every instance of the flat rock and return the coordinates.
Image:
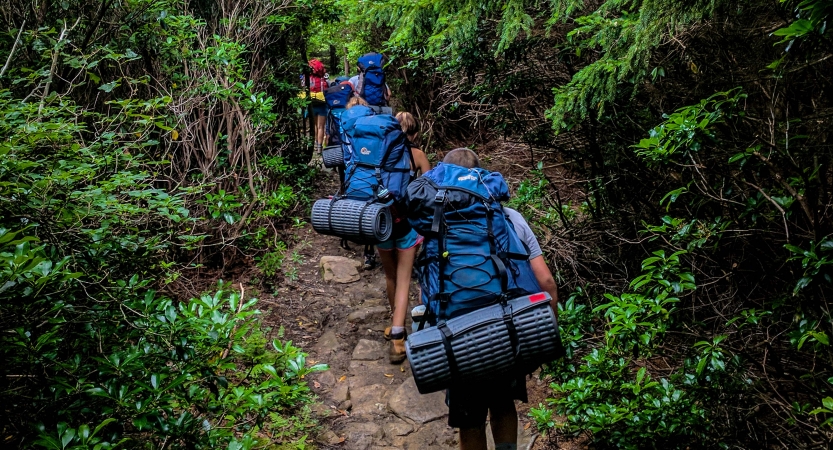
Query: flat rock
(340, 392)
(363, 373)
(368, 400)
(368, 315)
(326, 378)
(375, 302)
(327, 343)
(367, 350)
(329, 437)
(339, 269)
(407, 403)
(434, 435)
(397, 428)
(362, 435)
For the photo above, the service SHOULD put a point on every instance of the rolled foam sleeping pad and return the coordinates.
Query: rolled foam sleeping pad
(482, 344)
(332, 156)
(354, 220)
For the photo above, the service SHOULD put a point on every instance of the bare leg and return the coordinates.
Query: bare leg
(388, 259)
(404, 265)
(503, 418)
(473, 438)
(319, 129)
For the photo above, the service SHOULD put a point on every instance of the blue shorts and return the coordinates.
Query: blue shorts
(319, 109)
(409, 241)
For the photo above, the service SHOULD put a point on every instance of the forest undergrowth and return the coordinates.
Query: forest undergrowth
(145, 147)
(674, 158)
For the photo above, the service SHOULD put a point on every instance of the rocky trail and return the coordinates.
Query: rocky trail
(337, 312)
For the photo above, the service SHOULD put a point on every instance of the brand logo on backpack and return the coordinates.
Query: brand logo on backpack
(365, 151)
(467, 177)
(336, 102)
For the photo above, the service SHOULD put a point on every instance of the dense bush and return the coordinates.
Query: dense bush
(131, 143)
(656, 129)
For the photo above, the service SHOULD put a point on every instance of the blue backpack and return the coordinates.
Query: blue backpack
(336, 97)
(472, 256)
(379, 167)
(347, 123)
(372, 79)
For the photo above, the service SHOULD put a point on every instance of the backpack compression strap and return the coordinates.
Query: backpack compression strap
(445, 333)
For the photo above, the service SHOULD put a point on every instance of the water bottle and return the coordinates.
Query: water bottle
(417, 314)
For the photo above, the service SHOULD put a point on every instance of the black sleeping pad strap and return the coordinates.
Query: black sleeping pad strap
(361, 215)
(510, 327)
(447, 335)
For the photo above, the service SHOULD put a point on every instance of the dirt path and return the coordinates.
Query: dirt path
(367, 403)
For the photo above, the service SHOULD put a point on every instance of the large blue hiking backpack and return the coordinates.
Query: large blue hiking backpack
(377, 170)
(472, 256)
(347, 124)
(379, 167)
(336, 97)
(371, 86)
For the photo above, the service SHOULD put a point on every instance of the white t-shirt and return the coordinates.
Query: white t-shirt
(524, 232)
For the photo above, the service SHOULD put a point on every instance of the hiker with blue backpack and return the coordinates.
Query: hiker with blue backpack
(369, 208)
(370, 84)
(477, 255)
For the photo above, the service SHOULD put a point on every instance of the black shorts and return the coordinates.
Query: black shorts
(468, 405)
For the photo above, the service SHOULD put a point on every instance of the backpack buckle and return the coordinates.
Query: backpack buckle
(439, 202)
(443, 298)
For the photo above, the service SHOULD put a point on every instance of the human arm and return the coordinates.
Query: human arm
(420, 161)
(545, 279)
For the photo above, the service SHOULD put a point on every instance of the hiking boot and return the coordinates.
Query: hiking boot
(387, 333)
(369, 261)
(397, 348)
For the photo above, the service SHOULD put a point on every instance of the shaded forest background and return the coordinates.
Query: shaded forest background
(673, 157)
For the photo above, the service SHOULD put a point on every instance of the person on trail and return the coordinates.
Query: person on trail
(410, 127)
(317, 85)
(370, 83)
(469, 404)
(397, 256)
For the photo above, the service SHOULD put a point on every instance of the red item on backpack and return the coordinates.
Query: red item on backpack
(317, 84)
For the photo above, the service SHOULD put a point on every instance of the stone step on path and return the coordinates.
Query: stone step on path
(373, 404)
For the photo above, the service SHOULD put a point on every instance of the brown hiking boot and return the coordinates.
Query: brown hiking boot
(387, 333)
(397, 349)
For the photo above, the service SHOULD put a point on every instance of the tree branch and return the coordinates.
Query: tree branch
(14, 46)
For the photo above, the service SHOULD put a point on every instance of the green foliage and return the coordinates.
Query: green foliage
(811, 17)
(270, 263)
(136, 370)
(127, 150)
(814, 262)
(222, 204)
(612, 392)
(532, 199)
(689, 128)
(624, 34)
